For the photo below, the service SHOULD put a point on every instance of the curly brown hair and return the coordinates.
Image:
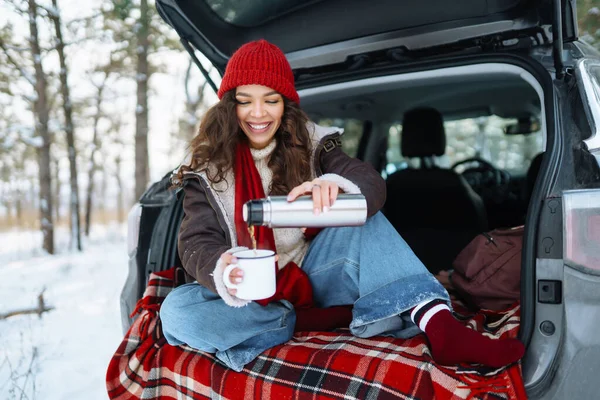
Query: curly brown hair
(220, 133)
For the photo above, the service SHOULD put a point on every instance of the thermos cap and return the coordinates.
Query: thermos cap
(252, 212)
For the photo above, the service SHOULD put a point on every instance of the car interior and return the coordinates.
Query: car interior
(459, 147)
(456, 142)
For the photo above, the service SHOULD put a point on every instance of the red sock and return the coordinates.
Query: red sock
(323, 319)
(453, 343)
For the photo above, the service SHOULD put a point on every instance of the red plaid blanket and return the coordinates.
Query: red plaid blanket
(315, 365)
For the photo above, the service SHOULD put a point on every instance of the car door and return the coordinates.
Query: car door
(563, 347)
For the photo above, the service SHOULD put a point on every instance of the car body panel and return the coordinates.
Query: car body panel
(156, 249)
(309, 35)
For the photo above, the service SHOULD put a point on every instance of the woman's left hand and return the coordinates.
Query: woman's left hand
(324, 194)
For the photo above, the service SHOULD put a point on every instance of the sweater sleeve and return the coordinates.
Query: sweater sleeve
(354, 176)
(202, 241)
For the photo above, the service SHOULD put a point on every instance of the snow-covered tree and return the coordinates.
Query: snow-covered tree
(29, 64)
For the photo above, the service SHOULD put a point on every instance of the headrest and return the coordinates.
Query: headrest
(423, 133)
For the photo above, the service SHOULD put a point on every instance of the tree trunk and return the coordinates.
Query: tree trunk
(120, 207)
(190, 108)
(142, 174)
(88, 200)
(19, 209)
(19, 194)
(57, 190)
(9, 212)
(93, 166)
(192, 105)
(104, 190)
(41, 111)
(69, 130)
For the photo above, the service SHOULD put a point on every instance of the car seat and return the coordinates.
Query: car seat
(434, 209)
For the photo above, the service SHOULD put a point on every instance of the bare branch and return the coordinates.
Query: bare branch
(41, 308)
(16, 8)
(29, 98)
(11, 60)
(29, 370)
(51, 12)
(17, 49)
(188, 70)
(83, 19)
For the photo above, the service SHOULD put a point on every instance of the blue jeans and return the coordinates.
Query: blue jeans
(369, 266)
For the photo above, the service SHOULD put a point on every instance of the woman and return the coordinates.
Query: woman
(255, 142)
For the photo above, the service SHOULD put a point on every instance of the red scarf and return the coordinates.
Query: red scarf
(292, 283)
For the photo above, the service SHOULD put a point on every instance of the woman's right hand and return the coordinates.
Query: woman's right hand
(236, 275)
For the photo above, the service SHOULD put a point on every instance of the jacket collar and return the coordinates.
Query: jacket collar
(319, 132)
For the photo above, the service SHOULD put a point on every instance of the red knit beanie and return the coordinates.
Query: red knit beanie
(259, 63)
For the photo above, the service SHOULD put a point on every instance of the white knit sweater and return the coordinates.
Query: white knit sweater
(290, 242)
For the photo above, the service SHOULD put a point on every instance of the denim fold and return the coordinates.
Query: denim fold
(370, 267)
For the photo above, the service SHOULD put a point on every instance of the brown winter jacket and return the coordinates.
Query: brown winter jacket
(204, 233)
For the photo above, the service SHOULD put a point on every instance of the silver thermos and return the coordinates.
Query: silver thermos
(277, 212)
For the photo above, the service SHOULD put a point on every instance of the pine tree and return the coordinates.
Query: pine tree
(41, 140)
(54, 15)
(137, 24)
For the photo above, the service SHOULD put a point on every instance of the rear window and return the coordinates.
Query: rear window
(475, 137)
(353, 130)
(252, 13)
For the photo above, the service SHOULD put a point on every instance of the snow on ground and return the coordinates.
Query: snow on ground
(64, 353)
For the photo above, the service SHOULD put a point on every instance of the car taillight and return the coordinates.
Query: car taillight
(581, 229)
(133, 228)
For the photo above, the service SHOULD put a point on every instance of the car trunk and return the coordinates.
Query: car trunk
(331, 42)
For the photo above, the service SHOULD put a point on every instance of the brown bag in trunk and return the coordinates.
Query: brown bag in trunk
(487, 272)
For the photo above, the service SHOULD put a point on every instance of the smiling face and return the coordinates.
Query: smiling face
(259, 111)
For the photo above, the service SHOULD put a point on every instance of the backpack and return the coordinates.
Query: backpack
(487, 272)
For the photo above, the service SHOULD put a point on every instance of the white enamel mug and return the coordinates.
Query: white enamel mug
(259, 274)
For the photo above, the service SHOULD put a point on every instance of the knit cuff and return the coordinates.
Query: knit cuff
(344, 184)
(220, 284)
